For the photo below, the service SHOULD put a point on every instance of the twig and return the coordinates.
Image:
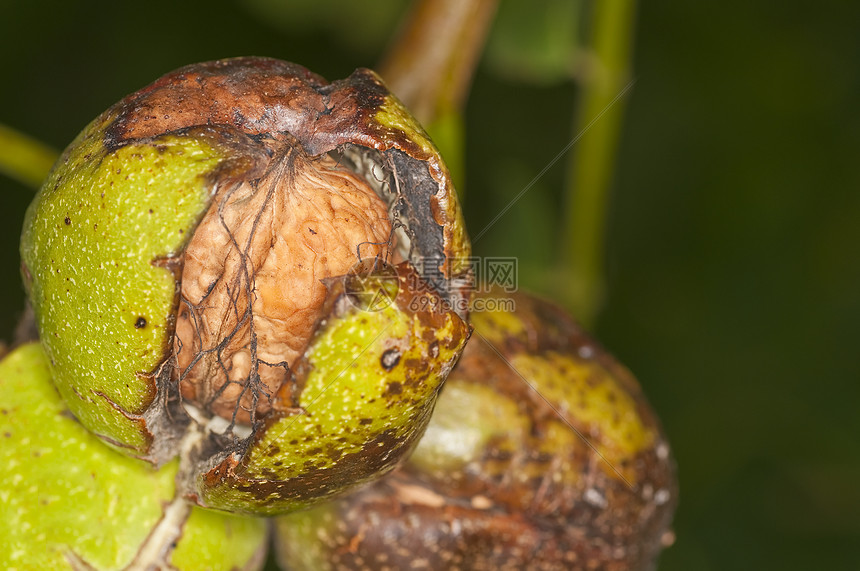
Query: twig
(592, 161)
(430, 65)
(24, 158)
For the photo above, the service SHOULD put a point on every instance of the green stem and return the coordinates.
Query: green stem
(24, 158)
(598, 122)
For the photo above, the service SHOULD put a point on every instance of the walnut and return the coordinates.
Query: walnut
(253, 283)
(205, 264)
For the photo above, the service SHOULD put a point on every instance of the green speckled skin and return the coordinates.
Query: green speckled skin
(393, 115)
(358, 417)
(595, 398)
(89, 245)
(63, 494)
(212, 540)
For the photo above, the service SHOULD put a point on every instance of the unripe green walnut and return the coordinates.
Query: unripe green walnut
(542, 454)
(185, 261)
(69, 502)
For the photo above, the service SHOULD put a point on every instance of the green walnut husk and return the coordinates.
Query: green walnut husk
(151, 285)
(542, 454)
(69, 502)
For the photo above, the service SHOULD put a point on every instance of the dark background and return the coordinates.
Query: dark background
(733, 271)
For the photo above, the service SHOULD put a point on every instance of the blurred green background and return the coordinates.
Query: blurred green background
(733, 277)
